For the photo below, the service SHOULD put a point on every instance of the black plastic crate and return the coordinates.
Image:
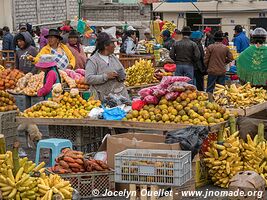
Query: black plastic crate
(23, 102)
(78, 135)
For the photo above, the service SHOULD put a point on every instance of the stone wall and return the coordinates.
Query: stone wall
(49, 11)
(117, 12)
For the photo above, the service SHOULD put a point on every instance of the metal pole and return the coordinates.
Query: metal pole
(79, 10)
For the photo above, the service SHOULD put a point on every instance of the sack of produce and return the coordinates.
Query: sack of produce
(151, 100)
(172, 96)
(167, 80)
(145, 92)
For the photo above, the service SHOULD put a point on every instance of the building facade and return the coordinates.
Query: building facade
(13, 12)
(223, 15)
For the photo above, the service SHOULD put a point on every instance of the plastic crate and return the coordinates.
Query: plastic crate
(35, 100)
(23, 102)
(78, 135)
(8, 121)
(153, 167)
(85, 183)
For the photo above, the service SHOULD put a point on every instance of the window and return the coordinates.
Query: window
(215, 23)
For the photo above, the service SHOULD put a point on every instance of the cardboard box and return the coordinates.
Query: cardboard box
(188, 186)
(114, 144)
(248, 182)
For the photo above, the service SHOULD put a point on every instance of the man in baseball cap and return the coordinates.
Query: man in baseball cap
(209, 37)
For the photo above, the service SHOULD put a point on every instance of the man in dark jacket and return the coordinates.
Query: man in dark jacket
(168, 41)
(217, 57)
(7, 40)
(25, 48)
(241, 41)
(199, 66)
(185, 53)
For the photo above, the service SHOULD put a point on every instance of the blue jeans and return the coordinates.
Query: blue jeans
(185, 70)
(212, 80)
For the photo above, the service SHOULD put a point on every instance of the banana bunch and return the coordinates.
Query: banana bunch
(21, 185)
(142, 72)
(2, 68)
(239, 97)
(149, 47)
(255, 153)
(48, 186)
(169, 26)
(224, 160)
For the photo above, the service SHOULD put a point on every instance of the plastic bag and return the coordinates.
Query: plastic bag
(167, 80)
(177, 87)
(113, 100)
(170, 67)
(96, 113)
(172, 96)
(114, 114)
(159, 92)
(151, 100)
(190, 138)
(145, 92)
(138, 104)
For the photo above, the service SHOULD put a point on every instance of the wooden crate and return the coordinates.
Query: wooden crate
(243, 112)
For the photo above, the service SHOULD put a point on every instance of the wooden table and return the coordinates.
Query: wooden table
(110, 124)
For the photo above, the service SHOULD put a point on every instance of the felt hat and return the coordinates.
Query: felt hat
(73, 34)
(46, 61)
(218, 36)
(207, 29)
(186, 29)
(54, 32)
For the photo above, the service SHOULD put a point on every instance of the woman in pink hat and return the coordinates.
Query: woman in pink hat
(52, 76)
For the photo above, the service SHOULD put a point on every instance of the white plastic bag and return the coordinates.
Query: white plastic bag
(96, 113)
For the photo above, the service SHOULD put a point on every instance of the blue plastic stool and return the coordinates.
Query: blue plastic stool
(55, 144)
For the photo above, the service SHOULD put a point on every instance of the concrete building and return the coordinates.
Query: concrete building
(220, 14)
(108, 13)
(13, 12)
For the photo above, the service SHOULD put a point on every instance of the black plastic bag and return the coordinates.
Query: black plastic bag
(190, 138)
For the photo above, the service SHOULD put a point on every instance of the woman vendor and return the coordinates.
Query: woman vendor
(74, 44)
(49, 66)
(104, 72)
(63, 56)
(251, 64)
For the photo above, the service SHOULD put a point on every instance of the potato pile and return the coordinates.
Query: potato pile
(64, 77)
(9, 78)
(29, 84)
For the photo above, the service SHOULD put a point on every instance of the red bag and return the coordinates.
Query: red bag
(138, 105)
(170, 67)
(151, 100)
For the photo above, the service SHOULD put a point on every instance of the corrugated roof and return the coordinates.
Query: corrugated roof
(212, 6)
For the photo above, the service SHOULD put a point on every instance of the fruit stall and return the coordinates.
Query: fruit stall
(202, 142)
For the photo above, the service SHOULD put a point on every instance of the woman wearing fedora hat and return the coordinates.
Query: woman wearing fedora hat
(47, 64)
(76, 49)
(63, 55)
